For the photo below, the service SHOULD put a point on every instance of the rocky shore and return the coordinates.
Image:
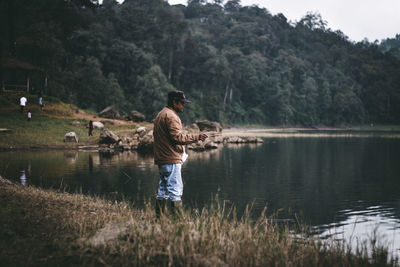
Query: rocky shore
(142, 140)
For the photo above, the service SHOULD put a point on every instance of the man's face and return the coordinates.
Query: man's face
(178, 106)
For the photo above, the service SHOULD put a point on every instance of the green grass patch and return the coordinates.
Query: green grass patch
(45, 129)
(90, 111)
(48, 126)
(42, 129)
(5, 102)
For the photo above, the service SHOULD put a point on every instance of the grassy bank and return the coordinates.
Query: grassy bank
(47, 228)
(48, 127)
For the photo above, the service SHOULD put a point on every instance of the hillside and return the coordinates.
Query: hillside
(48, 126)
(238, 64)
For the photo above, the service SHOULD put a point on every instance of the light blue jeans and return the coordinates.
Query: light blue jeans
(170, 186)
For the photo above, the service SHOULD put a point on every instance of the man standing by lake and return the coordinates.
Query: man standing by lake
(169, 139)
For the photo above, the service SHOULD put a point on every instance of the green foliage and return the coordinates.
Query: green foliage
(90, 84)
(347, 105)
(127, 62)
(238, 64)
(113, 92)
(391, 46)
(154, 87)
(5, 102)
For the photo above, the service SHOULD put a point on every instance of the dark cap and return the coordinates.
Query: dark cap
(178, 95)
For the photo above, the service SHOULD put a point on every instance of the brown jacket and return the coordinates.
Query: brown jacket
(169, 137)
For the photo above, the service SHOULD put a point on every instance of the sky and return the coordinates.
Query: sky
(357, 19)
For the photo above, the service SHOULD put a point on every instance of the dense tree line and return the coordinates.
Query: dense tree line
(239, 64)
(391, 46)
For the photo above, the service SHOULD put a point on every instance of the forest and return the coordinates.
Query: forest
(237, 64)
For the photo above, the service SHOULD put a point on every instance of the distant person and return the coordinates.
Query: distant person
(169, 139)
(22, 103)
(29, 115)
(90, 126)
(41, 100)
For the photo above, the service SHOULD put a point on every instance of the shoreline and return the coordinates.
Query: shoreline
(48, 147)
(281, 132)
(310, 132)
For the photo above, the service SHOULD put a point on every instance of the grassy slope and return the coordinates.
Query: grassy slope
(48, 127)
(48, 228)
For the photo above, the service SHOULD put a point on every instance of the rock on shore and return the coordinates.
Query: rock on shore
(71, 137)
(108, 137)
(110, 112)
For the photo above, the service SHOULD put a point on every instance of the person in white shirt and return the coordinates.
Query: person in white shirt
(22, 103)
(41, 100)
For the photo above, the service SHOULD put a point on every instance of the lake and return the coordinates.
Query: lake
(345, 186)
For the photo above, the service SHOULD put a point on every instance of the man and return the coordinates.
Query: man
(168, 149)
(22, 103)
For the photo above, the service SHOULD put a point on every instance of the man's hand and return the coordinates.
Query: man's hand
(203, 136)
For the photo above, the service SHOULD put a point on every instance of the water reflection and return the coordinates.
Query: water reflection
(216, 154)
(23, 177)
(29, 169)
(90, 163)
(360, 227)
(71, 157)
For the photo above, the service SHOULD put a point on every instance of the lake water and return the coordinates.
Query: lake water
(348, 187)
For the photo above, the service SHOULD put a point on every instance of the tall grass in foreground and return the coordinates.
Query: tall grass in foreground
(214, 237)
(94, 231)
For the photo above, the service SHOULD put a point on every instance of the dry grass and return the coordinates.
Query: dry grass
(83, 230)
